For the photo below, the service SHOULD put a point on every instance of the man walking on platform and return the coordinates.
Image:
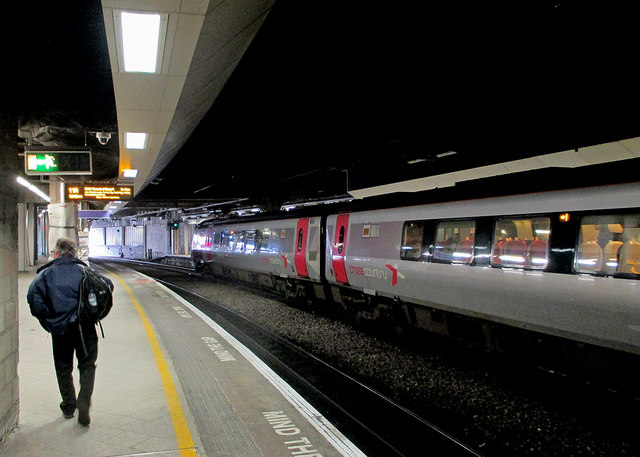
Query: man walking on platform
(53, 299)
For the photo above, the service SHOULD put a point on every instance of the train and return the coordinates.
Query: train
(549, 276)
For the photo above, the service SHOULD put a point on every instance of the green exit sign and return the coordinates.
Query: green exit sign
(57, 162)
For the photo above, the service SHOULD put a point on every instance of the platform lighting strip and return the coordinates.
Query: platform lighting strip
(33, 188)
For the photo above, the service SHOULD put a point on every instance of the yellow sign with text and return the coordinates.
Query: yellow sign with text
(98, 192)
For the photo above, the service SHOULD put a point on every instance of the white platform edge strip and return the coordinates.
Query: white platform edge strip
(340, 442)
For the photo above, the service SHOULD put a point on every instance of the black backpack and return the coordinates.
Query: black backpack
(93, 283)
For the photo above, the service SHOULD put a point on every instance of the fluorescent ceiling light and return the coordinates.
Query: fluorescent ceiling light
(140, 41)
(32, 188)
(135, 140)
(128, 173)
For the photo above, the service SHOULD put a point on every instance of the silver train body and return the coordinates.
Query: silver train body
(497, 271)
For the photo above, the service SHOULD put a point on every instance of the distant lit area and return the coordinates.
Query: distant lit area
(95, 243)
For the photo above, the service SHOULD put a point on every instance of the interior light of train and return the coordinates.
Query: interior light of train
(128, 173)
(543, 232)
(445, 154)
(588, 262)
(135, 140)
(564, 217)
(512, 258)
(140, 39)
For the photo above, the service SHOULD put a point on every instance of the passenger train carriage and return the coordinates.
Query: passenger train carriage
(265, 252)
(551, 273)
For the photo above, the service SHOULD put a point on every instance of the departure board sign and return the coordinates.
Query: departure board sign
(57, 162)
(98, 192)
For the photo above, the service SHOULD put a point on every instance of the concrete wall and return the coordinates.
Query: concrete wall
(158, 238)
(9, 393)
(149, 236)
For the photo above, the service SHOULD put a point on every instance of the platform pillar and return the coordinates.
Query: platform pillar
(63, 216)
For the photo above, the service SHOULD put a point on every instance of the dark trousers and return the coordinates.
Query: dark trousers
(64, 347)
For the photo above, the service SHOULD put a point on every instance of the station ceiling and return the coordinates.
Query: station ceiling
(281, 101)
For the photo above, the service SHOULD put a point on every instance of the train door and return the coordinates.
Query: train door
(339, 248)
(301, 247)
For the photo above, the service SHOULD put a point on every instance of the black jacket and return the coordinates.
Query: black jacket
(53, 294)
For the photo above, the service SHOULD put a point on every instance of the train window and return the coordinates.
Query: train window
(454, 242)
(262, 240)
(249, 243)
(199, 241)
(341, 240)
(609, 245)
(412, 241)
(240, 240)
(228, 240)
(521, 242)
(300, 236)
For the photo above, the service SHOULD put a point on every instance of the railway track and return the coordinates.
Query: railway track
(551, 415)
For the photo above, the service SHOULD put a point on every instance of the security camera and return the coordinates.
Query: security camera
(103, 137)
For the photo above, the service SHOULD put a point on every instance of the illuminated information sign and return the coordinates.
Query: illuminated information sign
(57, 162)
(98, 192)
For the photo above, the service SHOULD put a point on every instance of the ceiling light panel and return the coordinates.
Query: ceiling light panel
(135, 140)
(140, 39)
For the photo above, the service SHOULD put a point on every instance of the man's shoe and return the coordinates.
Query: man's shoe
(67, 411)
(83, 416)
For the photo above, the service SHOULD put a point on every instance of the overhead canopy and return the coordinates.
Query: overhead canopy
(294, 101)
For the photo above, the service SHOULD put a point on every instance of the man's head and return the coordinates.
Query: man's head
(65, 247)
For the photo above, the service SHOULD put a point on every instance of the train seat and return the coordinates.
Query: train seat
(514, 253)
(611, 256)
(630, 258)
(589, 259)
(497, 250)
(445, 250)
(537, 253)
(464, 251)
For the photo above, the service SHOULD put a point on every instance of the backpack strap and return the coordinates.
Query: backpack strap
(81, 307)
(101, 329)
(84, 346)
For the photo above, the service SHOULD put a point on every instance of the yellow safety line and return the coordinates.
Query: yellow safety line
(183, 435)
